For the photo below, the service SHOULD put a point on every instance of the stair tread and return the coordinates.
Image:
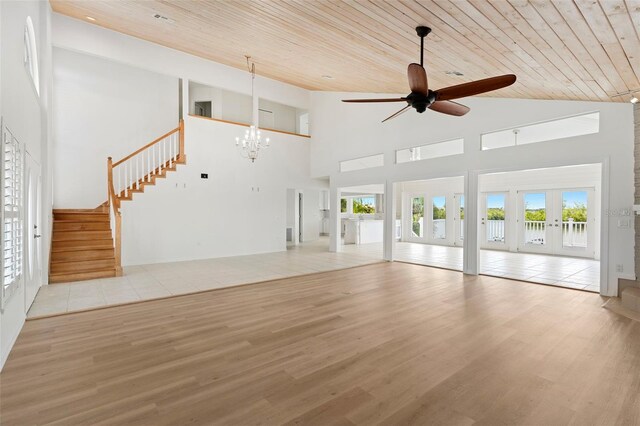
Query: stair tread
(107, 257)
(78, 211)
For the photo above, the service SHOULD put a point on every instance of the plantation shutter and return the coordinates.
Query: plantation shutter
(12, 218)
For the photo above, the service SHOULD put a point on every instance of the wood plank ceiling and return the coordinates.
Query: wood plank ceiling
(559, 49)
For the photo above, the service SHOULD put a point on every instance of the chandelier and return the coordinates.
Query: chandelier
(252, 142)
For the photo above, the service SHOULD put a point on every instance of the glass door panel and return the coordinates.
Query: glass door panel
(439, 218)
(459, 218)
(495, 218)
(574, 219)
(535, 223)
(417, 217)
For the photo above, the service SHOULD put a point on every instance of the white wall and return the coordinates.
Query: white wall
(81, 36)
(26, 115)
(184, 217)
(343, 131)
(240, 209)
(103, 109)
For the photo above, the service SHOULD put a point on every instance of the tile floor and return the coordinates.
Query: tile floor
(562, 271)
(147, 282)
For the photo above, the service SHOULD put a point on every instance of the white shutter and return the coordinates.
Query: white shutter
(12, 217)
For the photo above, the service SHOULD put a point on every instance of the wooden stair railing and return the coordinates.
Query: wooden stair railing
(132, 173)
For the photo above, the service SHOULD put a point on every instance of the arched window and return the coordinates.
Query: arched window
(31, 54)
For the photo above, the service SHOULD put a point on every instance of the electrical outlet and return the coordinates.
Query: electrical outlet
(204, 175)
(619, 267)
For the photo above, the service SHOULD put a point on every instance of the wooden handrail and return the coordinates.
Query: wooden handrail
(113, 200)
(237, 123)
(155, 141)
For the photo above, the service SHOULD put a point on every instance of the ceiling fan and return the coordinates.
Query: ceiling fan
(421, 97)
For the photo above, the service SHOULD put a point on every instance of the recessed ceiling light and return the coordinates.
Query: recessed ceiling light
(327, 77)
(634, 100)
(90, 18)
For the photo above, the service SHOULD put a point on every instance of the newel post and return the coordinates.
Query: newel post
(109, 179)
(182, 156)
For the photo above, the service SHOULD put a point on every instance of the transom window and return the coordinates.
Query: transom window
(31, 54)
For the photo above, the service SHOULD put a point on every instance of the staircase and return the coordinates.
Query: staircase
(82, 246)
(86, 243)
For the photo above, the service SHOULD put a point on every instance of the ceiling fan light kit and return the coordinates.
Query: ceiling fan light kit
(421, 97)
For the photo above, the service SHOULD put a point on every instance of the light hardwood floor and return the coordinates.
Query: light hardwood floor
(388, 343)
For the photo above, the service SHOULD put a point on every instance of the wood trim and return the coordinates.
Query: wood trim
(169, 133)
(247, 125)
(181, 127)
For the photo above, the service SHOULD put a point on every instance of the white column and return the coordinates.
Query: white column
(334, 219)
(389, 221)
(471, 252)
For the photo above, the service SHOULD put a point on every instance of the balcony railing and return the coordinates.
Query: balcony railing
(574, 234)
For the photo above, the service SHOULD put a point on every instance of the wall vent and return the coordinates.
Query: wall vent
(163, 18)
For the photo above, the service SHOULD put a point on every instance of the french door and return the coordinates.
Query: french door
(559, 221)
(494, 219)
(427, 217)
(32, 230)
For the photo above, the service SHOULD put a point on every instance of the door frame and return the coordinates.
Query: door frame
(484, 241)
(550, 216)
(33, 268)
(458, 225)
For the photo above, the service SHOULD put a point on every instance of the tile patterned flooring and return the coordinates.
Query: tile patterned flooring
(147, 282)
(571, 272)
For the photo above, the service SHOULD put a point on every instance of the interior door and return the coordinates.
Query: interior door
(459, 219)
(494, 218)
(536, 221)
(33, 221)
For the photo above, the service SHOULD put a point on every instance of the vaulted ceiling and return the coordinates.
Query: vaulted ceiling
(559, 49)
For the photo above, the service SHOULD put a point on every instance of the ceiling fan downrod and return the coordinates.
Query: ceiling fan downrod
(422, 33)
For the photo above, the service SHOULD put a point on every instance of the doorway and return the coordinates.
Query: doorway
(494, 219)
(559, 221)
(542, 225)
(300, 215)
(431, 216)
(33, 230)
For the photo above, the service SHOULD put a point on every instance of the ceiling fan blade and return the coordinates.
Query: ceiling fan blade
(403, 110)
(418, 79)
(376, 100)
(451, 108)
(475, 87)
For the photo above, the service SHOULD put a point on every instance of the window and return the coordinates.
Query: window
(343, 205)
(31, 54)
(12, 221)
(434, 150)
(578, 125)
(364, 205)
(362, 163)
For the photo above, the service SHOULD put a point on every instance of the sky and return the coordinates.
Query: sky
(495, 201)
(534, 201)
